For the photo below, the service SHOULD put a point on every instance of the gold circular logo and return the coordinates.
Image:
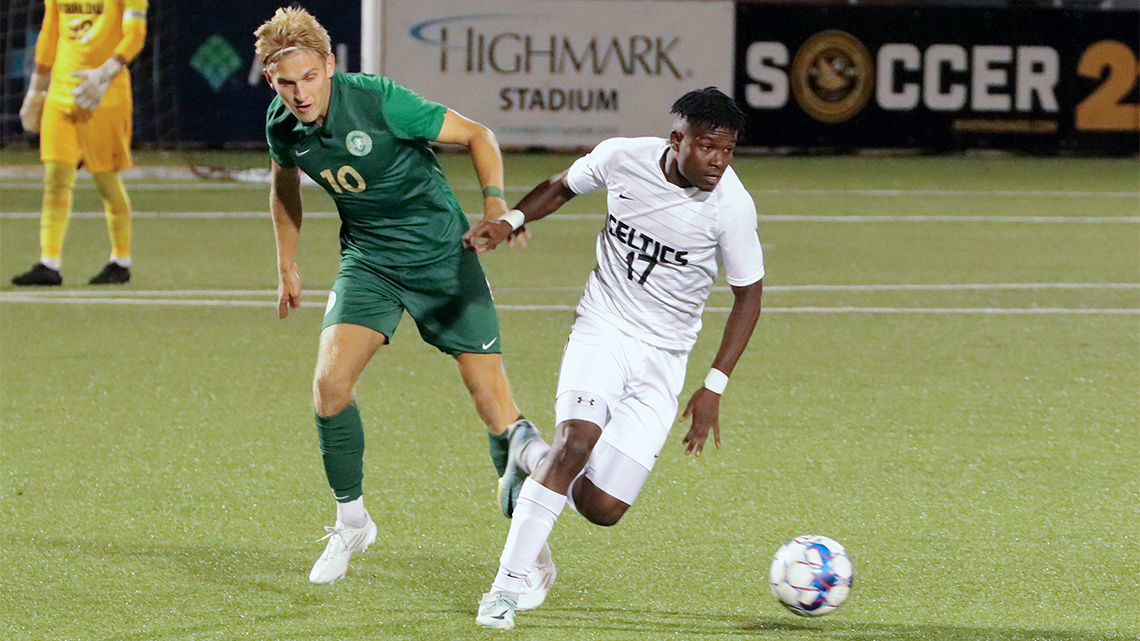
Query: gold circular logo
(832, 76)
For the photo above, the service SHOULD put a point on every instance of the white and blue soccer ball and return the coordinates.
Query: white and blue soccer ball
(811, 575)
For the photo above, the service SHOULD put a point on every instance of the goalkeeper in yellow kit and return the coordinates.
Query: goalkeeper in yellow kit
(79, 99)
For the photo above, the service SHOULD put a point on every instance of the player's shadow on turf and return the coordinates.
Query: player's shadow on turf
(456, 580)
(658, 623)
(460, 580)
(179, 571)
(451, 578)
(904, 632)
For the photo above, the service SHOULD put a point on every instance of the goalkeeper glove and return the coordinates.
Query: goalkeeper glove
(32, 111)
(90, 92)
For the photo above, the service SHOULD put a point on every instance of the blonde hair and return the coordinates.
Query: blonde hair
(290, 29)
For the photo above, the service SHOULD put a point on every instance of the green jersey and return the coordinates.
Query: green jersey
(373, 158)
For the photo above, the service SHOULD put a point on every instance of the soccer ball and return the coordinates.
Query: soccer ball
(811, 575)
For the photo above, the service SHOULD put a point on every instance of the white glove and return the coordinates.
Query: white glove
(32, 111)
(90, 92)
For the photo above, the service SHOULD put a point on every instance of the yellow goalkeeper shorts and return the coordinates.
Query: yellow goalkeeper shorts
(103, 142)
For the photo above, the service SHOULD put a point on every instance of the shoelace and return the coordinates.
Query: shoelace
(332, 531)
(497, 601)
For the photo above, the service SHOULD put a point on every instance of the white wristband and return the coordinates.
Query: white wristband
(514, 218)
(716, 381)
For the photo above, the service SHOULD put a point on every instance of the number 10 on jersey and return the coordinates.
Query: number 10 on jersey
(346, 179)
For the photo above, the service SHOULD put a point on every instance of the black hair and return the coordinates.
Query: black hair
(710, 108)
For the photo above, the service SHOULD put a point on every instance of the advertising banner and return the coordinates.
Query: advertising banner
(938, 78)
(560, 74)
(223, 94)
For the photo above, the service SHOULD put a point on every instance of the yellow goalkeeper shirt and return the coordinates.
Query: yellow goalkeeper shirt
(83, 35)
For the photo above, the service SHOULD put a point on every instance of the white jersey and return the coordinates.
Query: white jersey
(662, 245)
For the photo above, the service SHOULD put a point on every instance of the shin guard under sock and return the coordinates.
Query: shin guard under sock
(342, 448)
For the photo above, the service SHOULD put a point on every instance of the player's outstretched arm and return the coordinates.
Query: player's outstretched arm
(542, 201)
(704, 406)
(285, 207)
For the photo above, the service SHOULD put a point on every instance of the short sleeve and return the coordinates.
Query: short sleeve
(409, 115)
(587, 173)
(278, 156)
(278, 151)
(740, 250)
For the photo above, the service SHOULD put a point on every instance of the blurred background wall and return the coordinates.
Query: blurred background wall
(812, 75)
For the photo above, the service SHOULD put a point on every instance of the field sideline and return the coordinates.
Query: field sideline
(946, 379)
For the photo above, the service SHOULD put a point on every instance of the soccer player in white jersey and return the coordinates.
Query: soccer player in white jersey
(676, 213)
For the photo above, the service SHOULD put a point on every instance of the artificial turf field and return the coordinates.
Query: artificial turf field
(946, 380)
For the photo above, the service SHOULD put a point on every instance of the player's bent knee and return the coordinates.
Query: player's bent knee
(331, 393)
(574, 442)
(604, 519)
(606, 511)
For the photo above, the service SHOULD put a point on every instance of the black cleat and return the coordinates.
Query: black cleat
(39, 274)
(112, 274)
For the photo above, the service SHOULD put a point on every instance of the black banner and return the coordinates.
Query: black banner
(221, 91)
(938, 78)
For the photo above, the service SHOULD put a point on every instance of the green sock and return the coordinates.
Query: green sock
(342, 448)
(499, 444)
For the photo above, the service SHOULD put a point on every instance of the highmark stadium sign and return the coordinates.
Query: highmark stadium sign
(560, 74)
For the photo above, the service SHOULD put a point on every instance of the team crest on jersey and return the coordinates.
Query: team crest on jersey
(358, 143)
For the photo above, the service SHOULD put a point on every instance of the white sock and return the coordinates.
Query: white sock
(352, 514)
(535, 513)
(533, 454)
(50, 263)
(121, 262)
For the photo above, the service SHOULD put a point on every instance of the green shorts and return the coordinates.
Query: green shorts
(449, 300)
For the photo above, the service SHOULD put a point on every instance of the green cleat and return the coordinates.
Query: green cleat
(522, 433)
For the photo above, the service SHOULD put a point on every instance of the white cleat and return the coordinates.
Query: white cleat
(538, 581)
(343, 543)
(497, 610)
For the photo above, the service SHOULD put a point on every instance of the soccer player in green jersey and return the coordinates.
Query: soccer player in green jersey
(366, 140)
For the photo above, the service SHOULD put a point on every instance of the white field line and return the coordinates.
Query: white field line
(146, 293)
(941, 193)
(223, 298)
(8, 299)
(201, 185)
(772, 218)
(882, 288)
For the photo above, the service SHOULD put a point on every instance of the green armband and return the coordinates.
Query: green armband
(492, 191)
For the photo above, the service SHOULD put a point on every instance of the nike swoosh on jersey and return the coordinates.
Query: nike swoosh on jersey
(302, 152)
(488, 345)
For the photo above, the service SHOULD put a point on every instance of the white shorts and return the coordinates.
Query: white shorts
(638, 384)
